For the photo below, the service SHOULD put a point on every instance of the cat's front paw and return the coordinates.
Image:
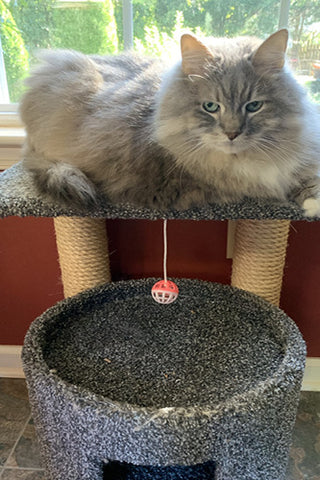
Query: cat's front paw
(311, 207)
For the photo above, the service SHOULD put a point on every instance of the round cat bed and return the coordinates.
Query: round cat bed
(124, 388)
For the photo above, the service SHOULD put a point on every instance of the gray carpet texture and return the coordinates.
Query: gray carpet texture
(19, 197)
(124, 388)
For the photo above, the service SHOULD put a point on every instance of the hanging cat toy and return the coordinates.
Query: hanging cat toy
(165, 291)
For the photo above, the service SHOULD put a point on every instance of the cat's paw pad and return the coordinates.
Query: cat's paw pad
(311, 207)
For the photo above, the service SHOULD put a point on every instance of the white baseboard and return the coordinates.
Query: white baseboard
(11, 366)
(10, 361)
(311, 379)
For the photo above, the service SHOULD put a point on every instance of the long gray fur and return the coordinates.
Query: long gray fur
(213, 377)
(136, 129)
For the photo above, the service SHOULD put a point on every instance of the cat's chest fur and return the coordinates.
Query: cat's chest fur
(242, 174)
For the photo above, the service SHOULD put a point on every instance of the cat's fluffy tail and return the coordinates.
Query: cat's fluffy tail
(62, 182)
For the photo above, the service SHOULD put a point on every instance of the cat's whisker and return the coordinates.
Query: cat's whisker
(272, 146)
(188, 158)
(185, 152)
(286, 145)
(259, 149)
(193, 75)
(271, 156)
(192, 151)
(182, 171)
(191, 140)
(279, 154)
(172, 169)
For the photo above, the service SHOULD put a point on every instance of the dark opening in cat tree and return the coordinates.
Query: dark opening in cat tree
(128, 471)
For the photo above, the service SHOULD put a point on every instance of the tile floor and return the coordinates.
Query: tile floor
(19, 458)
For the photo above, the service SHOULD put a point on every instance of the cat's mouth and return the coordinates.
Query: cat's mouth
(231, 147)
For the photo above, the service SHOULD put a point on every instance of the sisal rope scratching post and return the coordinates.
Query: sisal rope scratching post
(83, 253)
(259, 257)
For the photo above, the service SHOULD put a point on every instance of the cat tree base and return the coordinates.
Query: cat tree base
(122, 387)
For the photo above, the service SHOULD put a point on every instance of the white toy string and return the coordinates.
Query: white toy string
(165, 291)
(165, 250)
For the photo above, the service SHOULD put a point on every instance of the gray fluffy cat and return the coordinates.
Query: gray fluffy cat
(228, 121)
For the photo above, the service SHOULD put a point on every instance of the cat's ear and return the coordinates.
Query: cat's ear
(271, 53)
(194, 55)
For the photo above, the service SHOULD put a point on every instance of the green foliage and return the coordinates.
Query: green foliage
(90, 30)
(213, 17)
(34, 19)
(161, 43)
(242, 17)
(111, 27)
(223, 17)
(30, 25)
(160, 28)
(208, 21)
(117, 10)
(314, 90)
(302, 14)
(158, 24)
(14, 52)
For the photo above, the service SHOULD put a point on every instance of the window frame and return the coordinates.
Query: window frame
(12, 135)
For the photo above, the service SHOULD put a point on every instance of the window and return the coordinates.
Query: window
(30, 25)
(152, 27)
(304, 52)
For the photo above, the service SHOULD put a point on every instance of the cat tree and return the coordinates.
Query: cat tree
(124, 388)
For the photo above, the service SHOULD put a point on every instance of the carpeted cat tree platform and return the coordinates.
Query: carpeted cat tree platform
(123, 388)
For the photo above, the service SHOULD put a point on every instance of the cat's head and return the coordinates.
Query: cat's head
(230, 96)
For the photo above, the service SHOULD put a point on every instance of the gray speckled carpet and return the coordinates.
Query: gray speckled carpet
(19, 196)
(124, 389)
(119, 383)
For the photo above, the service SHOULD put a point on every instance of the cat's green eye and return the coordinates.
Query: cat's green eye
(211, 107)
(254, 106)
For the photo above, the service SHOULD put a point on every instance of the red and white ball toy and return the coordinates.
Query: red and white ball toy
(165, 291)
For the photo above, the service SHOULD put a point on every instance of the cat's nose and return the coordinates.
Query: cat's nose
(232, 135)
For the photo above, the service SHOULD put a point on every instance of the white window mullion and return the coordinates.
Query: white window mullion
(284, 14)
(4, 91)
(127, 18)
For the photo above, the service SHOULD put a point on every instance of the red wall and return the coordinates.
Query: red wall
(29, 274)
(30, 278)
(301, 287)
